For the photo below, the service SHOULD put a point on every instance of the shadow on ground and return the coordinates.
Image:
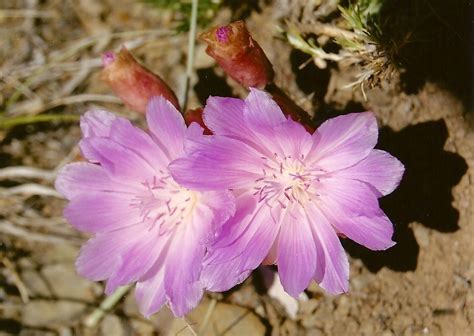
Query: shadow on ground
(432, 41)
(424, 194)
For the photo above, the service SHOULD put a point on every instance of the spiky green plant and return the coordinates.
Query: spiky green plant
(361, 37)
(363, 18)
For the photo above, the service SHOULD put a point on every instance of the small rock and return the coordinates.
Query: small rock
(162, 321)
(130, 306)
(290, 304)
(42, 313)
(26, 263)
(233, 320)
(342, 306)
(111, 325)
(65, 331)
(142, 328)
(55, 253)
(422, 235)
(66, 284)
(387, 333)
(35, 284)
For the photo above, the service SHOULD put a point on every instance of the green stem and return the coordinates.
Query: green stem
(6, 122)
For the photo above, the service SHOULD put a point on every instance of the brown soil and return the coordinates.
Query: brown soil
(422, 286)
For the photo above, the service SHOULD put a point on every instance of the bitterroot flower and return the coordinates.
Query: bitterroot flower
(295, 192)
(147, 228)
(132, 82)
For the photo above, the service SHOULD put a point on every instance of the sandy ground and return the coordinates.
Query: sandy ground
(422, 286)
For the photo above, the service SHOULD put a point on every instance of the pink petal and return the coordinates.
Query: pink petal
(102, 211)
(222, 277)
(195, 140)
(293, 139)
(101, 256)
(83, 177)
(183, 264)
(135, 139)
(296, 252)
(271, 258)
(150, 293)
(222, 163)
(374, 232)
(119, 161)
(343, 141)
(245, 207)
(138, 259)
(194, 132)
(347, 197)
(261, 110)
(224, 116)
(222, 204)
(335, 279)
(97, 123)
(227, 266)
(379, 169)
(167, 125)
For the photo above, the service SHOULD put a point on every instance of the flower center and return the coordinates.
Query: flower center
(285, 180)
(165, 203)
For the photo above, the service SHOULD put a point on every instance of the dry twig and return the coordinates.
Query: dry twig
(15, 278)
(8, 228)
(25, 172)
(30, 189)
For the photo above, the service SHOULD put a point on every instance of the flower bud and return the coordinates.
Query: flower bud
(132, 82)
(239, 54)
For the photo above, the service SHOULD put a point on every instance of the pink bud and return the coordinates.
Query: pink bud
(239, 54)
(132, 82)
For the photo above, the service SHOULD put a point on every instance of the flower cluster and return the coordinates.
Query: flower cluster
(180, 209)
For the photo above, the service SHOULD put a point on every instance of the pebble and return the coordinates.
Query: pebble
(67, 284)
(130, 306)
(57, 253)
(43, 313)
(226, 318)
(422, 235)
(142, 328)
(35, 284)
(111, 325)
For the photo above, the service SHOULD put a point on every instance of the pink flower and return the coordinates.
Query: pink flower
(147, 228)
(295, 192)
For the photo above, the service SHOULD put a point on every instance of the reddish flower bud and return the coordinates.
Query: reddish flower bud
(239, 54)
(196, 116)
(132, 82)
